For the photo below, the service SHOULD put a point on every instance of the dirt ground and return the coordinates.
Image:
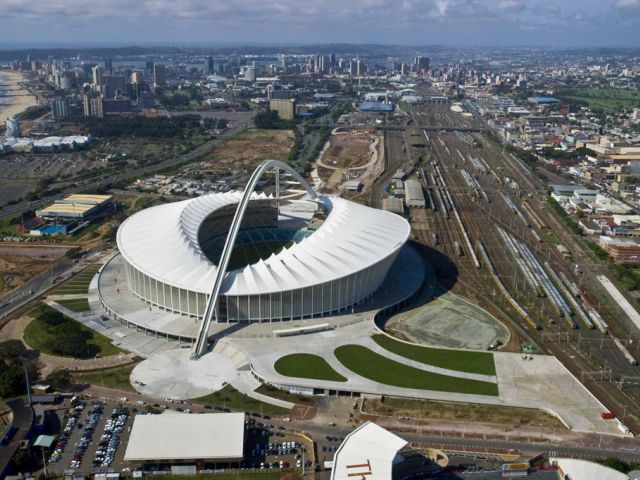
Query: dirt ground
(348, 150)
(247, 150)
(402, 407)
(354, 154)
(17, 269)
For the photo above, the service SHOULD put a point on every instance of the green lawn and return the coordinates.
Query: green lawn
(231, 398)
(306, 365)
(38, 335)
(377, 368)
(462, 361)
(75, 305)
(79, 283)
(115, 378)
(607, 99)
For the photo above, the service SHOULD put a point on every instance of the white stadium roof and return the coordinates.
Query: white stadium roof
(370, 451)
(184, 436)
(576, 469)
(162, 242)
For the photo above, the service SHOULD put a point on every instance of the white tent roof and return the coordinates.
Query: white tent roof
(369, 448)
(162, 242)
(184, 436)
(585, 470)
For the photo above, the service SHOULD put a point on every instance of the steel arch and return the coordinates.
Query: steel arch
(212, 303)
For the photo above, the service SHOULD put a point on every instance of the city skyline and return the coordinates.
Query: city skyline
(457, 23)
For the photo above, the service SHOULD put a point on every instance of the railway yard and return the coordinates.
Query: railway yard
(489, 235)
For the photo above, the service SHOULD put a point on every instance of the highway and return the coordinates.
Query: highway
(59, 271)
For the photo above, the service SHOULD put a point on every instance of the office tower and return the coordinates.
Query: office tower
(108, 65)
(421, 64)
(97, 75)
(149, 67)
(361, 68)
(208, 66)
(353, 66)
(60, 109)
(159, 76)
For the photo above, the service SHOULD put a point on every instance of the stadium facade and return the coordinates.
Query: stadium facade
(292, 258)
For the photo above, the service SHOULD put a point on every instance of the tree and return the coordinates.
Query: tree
(12, 381)
(51, 318)
(267, 119)
(72, 344)
(59, 379)
(11, 349)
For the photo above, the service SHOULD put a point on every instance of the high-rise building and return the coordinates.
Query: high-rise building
(286, 108)
(250, 74)
(403, 69)
(149, 67)
(93, 106)
(325, 64)
(136, 76)
(97, 75)
(353, 66)
(159, 76)
(13, 128)
(208, 66)
(361, 68)
(60, 109)
(421, 64)
(108, 65)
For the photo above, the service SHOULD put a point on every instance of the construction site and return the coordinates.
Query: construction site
(350, 161)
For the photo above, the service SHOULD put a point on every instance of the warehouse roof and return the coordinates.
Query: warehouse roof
(367, 452)
(184, 436)
(86, 198)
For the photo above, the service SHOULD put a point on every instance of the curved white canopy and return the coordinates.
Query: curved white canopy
(162, 242)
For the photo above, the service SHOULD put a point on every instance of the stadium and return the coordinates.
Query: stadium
(276, 257)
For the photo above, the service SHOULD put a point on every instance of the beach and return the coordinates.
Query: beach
(20, 98)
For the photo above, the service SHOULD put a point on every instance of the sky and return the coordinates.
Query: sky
(459, 23)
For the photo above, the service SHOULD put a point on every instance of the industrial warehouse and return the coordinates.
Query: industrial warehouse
(76, 207)
(216, 438)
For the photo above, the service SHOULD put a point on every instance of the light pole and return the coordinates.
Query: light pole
(44, 463)
(26, 376)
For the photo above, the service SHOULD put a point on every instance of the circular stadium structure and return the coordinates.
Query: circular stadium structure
(275, 258)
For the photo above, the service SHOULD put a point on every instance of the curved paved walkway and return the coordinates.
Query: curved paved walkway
(14, 331)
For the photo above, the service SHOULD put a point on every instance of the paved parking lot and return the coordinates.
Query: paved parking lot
(85, 425)
(82, 440)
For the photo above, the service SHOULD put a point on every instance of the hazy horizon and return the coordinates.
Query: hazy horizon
(192, 23)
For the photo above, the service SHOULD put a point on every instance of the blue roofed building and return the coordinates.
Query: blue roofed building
(543, 100)
(376, 107)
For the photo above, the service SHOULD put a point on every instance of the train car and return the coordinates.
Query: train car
(624, 351)
(458, 248)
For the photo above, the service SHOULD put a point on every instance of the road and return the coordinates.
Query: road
(37, 286)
